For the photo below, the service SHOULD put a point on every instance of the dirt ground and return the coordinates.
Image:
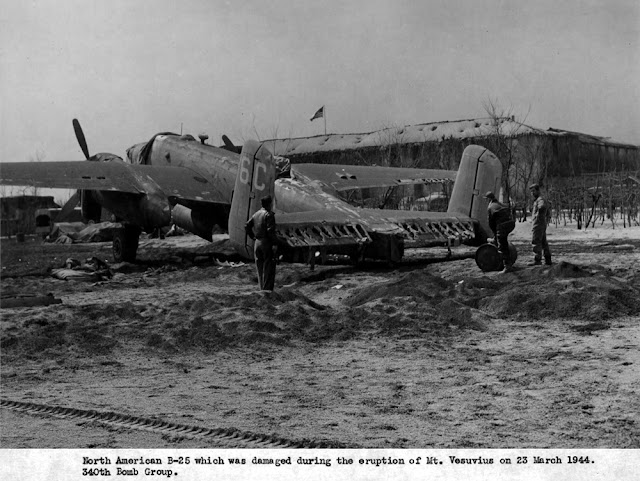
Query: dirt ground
(429, 354)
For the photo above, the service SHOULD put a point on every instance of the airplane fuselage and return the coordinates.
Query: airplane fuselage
(220, 168)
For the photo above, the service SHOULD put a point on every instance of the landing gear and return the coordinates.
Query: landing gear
(125, 243)
(357, 256)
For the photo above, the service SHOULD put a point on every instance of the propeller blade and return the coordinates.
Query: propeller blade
(229, 145)
(68, 207)
(81, 140)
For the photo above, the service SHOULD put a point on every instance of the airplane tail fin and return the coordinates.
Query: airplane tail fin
(254, 181)
(480, 171)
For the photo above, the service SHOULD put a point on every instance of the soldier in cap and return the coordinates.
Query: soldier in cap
(262, 228)
(502, 225)
(541, 215)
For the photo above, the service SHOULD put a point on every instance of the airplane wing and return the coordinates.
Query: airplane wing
(115, 176)
(321, 228)
(332, 228)
(346, 177)
(423, 228)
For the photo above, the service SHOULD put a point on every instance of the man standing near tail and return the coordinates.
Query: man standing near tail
(541, 215)
(502, 225)
(262, 229)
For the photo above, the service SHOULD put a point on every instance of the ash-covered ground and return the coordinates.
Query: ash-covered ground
(432, 353)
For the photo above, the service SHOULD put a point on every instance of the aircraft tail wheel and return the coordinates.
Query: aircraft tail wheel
(125, 244)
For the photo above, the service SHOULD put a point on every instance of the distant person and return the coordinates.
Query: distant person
(262, 229)
(540, 218)
(501, 224)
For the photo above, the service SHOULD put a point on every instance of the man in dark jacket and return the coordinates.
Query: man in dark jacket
(262, 229)
(502, 225)
(541, 216)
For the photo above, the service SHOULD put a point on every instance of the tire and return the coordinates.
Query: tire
(125, 244)
(488, 257)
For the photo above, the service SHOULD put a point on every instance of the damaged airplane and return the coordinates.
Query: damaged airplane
(176, 179)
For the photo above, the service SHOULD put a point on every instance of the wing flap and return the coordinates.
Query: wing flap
(321, 228)
(329, 228)
(424, 229)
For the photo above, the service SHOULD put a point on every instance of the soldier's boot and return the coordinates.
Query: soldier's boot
(507, 268)
(536, 262)
(507, 265)
(547, 261)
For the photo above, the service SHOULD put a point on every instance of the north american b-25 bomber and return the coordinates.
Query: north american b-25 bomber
(176, 179)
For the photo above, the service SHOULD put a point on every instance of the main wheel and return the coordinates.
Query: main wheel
(125, 244)
(488, 257)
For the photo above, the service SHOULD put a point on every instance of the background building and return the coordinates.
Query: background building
(554, 158)
(18, 213)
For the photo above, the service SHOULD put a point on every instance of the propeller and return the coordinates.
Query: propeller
(228, 145)
(81, 140)
(76, 198)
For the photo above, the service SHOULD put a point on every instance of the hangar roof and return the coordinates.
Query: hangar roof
(421, 133)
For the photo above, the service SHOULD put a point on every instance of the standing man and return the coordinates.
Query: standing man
(541, 215)
(502, 225)
(262, 229)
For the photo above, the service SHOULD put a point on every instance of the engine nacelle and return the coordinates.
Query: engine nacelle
(193, 221)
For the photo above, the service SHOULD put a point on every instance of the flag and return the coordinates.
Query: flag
(319, 114)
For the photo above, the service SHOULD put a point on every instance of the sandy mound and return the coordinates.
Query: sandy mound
(356, 355)
(414, 304)
(419, 303)
(214, 322)
(565, 291)
(419, 285)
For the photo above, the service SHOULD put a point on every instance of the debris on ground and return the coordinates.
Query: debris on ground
(220, 263)
(28, 300)
(77, 232)
(92, 269)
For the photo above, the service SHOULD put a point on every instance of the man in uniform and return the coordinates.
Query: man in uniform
(541, 215)
(502, 225)
(262, 229)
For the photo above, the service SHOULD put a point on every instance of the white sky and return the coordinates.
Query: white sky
(128, 69)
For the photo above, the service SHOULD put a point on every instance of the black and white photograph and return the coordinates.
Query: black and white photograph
(310, 232)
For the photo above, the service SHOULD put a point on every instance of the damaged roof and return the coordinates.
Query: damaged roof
(422, 133)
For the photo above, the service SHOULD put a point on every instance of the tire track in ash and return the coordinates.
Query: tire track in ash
(224, 438)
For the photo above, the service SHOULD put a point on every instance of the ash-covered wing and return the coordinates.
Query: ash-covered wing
(347, 177)
(116, 176)
(183, 183)
(322, 228)
(333, 228)
(423, 229)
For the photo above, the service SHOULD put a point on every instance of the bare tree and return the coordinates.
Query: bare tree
(520, 156)
(390, 147)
